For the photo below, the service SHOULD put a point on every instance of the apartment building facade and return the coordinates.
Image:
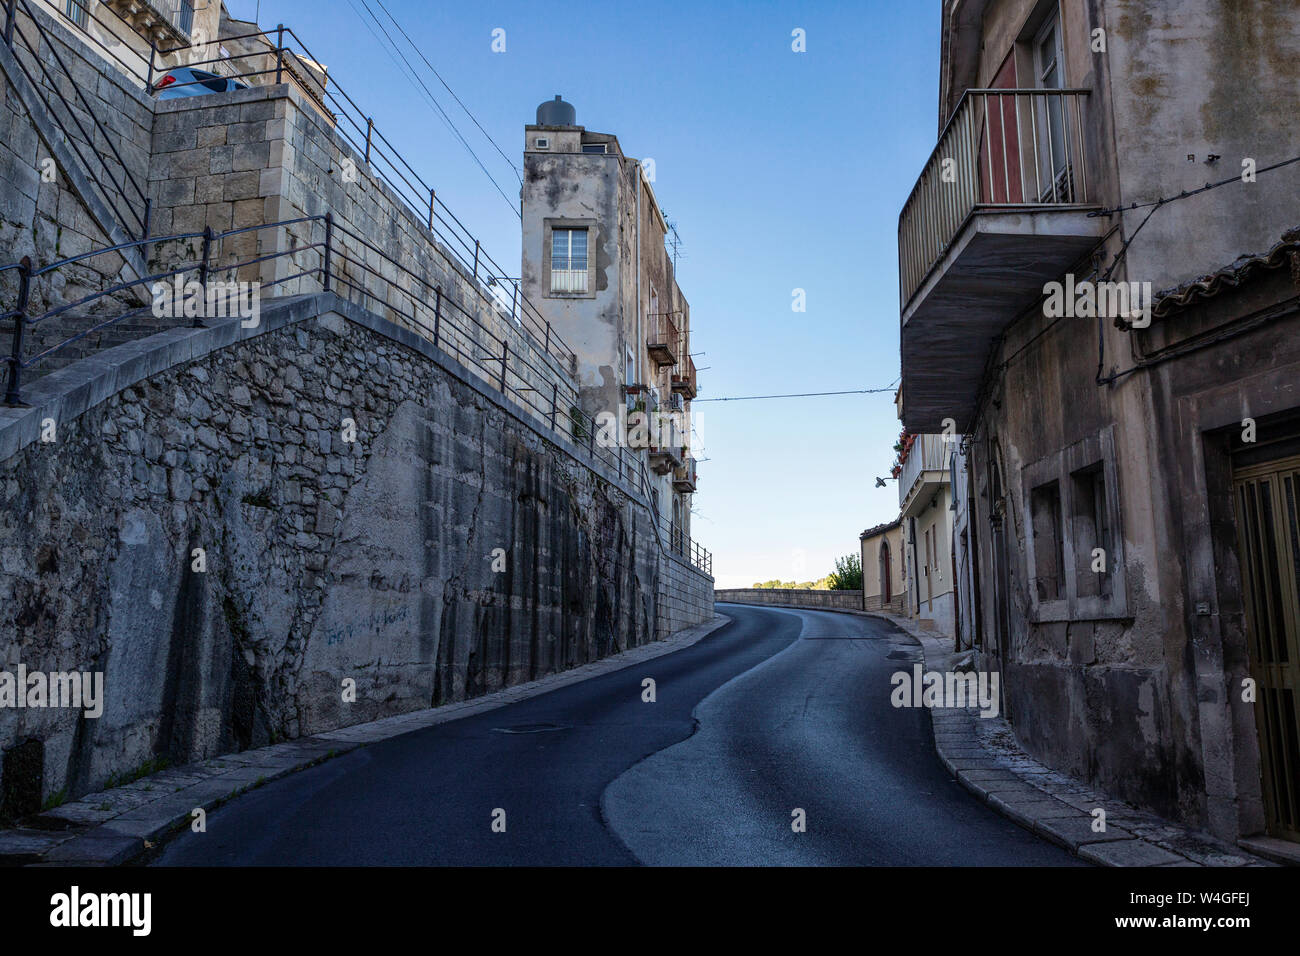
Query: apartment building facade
(1116, 345)
(596, 265)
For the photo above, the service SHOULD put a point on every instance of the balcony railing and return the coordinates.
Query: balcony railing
(663, 339)
(685, 477)
(928, 453)
(683, 379)
(1000, 148)
(569, 280)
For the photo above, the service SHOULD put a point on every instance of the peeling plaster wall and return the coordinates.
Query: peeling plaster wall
(584, 187)
(1134, 700)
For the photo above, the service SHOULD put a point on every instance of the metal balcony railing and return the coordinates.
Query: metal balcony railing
(928, 453)
(663, 338)
(683, 378)
(685, 476)
(1000, 148)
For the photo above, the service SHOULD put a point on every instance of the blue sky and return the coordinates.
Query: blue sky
(782, 170)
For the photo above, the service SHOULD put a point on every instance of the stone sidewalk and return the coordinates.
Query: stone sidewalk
(123, 824)
(985, 757)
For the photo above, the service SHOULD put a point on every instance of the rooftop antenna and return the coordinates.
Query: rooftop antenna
(673, 240)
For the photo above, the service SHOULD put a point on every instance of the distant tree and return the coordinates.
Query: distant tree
(847, 575)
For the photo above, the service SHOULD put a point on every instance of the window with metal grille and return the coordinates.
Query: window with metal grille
(185, 16)
(78, 11)
(569, 260)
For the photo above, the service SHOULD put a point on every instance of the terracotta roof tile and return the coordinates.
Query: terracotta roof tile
(1285, 253)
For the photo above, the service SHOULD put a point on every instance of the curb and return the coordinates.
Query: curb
(125, 824)
(983, 755)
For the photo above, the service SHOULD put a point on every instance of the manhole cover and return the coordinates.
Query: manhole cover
(527, 728)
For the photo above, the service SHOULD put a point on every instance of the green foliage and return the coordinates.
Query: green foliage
(131, 776)
(579, 427)
(823, 584)
(847, 575)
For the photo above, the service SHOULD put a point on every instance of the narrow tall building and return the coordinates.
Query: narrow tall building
(596, 266)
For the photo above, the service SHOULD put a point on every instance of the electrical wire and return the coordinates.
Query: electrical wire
(1188, 193)
(518, 172)
(752, 398)
(438, 106)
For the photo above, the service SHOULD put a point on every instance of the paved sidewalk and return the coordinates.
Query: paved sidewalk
(121, 825)
(985, 757)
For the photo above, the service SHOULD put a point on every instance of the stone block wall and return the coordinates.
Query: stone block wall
(685, 595)
(267, 155)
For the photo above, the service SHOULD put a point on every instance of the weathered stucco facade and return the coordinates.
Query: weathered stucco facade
(884, 570)
(1090, 434)
(624, 315)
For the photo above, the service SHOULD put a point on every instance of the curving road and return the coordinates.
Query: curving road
(793, 712)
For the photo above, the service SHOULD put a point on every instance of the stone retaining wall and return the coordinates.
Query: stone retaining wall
(792, 597)
(450, 550)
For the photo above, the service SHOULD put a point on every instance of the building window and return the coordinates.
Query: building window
(569, 260)
(185, 17)
(78, 11)
(1073, 525)
(1091, 532)
(594, 148)
(1049, 552)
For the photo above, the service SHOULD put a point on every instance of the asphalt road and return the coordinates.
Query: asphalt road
(793, 712)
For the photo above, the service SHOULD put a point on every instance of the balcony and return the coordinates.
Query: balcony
(168, 24)
(684, 477)
(1000, 209)
(666, 458)
(664, 341)
(683, 379)
(925, 471)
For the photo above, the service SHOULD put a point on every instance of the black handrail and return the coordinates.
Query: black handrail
(406, 183)
(516, 373)
(15, 33)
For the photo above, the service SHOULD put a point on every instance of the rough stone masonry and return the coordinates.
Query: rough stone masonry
(210, 540)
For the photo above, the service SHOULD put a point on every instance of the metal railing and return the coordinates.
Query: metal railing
(1014, 147)
(123, 192)
(281, 52)
(684, 378)
(928, 453)
(357, 270)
